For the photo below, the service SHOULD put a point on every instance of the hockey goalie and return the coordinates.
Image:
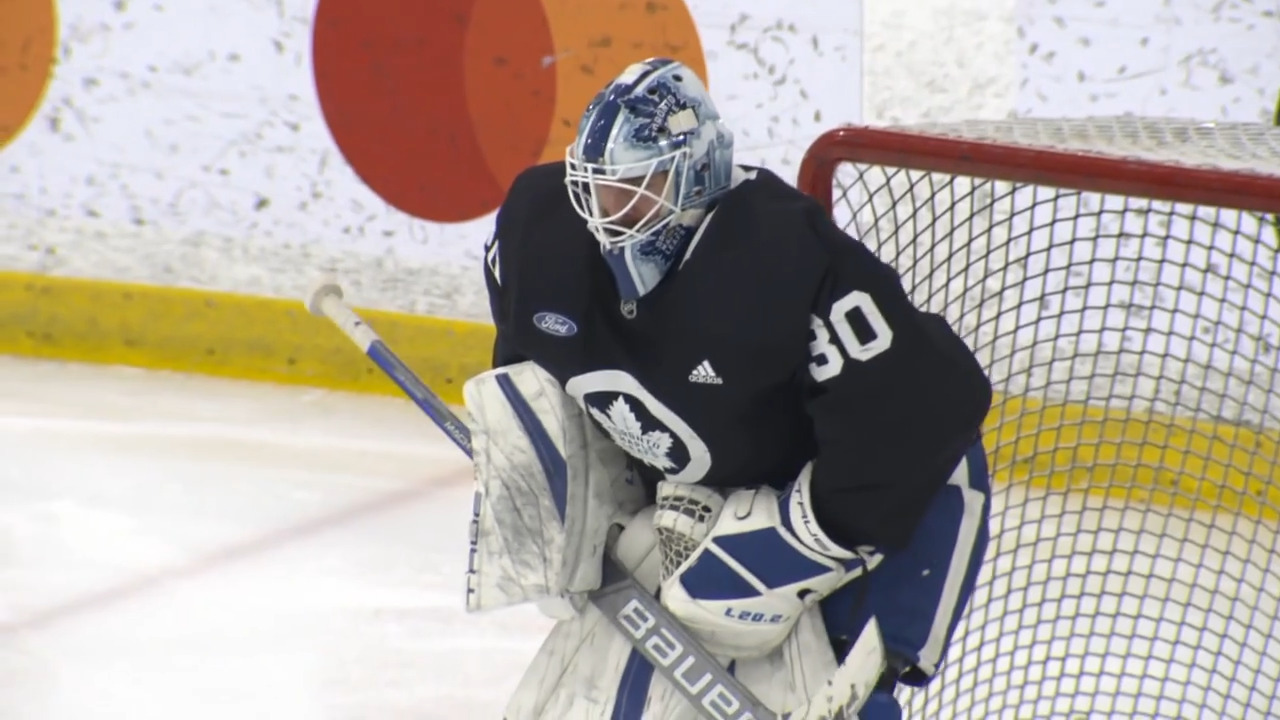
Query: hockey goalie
(700, 376)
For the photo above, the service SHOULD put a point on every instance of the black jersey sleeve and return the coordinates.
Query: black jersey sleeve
(894, 395)
(504, 351)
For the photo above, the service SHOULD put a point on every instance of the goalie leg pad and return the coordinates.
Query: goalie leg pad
(549, 486)
(587, 670)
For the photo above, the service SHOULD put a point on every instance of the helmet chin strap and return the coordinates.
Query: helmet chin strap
(640, 266)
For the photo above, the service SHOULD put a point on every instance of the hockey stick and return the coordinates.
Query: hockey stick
(655, 634)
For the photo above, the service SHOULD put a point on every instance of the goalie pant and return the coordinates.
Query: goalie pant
(918, 594)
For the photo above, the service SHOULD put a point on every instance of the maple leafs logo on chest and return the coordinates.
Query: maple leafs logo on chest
(652, 448)
(634, 419)
(653, 109)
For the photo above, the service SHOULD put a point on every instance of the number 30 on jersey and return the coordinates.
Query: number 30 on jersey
(829, 356)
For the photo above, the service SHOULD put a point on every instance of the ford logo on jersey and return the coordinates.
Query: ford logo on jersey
(555, 324)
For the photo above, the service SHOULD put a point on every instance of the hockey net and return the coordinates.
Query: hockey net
(1118, 279)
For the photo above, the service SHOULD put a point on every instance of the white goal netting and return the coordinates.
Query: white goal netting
(1118, 279)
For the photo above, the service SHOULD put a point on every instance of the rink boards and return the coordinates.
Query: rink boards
(225, 334)
(1132, 458)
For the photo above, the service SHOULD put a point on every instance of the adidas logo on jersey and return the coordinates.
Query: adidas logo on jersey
(704, 374)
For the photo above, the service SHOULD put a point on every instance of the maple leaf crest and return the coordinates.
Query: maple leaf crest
(670, 241)
(652, 448)
(652, 110)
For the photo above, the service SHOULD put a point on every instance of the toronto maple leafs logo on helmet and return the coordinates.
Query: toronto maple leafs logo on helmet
(665, 244)
(652, 111)
(650, 159)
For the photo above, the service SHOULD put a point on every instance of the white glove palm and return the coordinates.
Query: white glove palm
(739, 571)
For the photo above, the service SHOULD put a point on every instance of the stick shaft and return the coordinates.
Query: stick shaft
(364, 336)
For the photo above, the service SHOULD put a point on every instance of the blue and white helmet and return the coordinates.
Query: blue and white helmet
(650, 157)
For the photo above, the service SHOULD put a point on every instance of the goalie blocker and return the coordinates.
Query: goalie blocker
(538, 541)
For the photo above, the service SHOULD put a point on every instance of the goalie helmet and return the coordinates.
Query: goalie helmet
(650, 158)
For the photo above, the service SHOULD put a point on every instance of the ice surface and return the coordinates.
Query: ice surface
(182, 547)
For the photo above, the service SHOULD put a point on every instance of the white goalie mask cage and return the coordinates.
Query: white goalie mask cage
(615, 227)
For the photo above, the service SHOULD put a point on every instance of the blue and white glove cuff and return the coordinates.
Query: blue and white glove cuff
(797, 517)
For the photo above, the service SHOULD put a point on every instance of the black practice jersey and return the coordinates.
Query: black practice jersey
(778, 340)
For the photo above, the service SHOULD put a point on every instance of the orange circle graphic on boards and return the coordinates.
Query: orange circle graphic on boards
(438, 105)
(28, 43)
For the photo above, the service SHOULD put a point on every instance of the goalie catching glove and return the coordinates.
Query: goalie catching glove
(739, 571)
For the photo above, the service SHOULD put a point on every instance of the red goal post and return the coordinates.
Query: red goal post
(1119, 279)
(979, 155)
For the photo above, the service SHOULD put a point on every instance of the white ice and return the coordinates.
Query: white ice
(185, 547)
(175, 546)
